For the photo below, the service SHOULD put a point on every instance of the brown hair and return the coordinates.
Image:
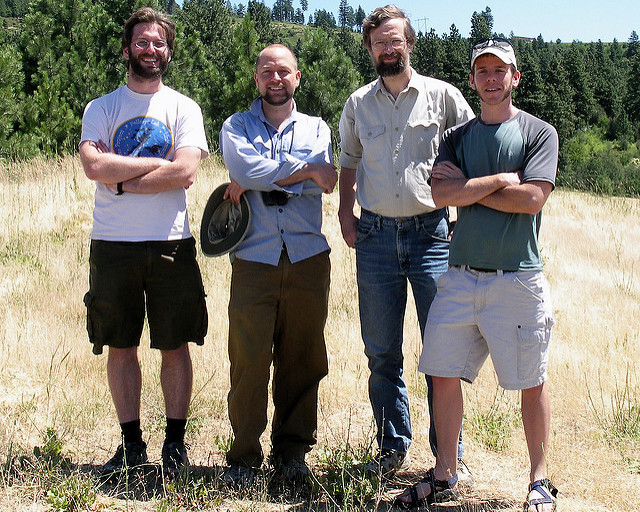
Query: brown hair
(381, 14)
(149, 15)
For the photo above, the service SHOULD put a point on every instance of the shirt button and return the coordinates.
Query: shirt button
(397, 195)
(280, 210)
(397, 128)
(282, 231)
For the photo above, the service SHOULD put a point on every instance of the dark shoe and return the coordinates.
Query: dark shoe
(239, 477)
(127, 456)
(174, 459)
(295, 471)
(386, 463)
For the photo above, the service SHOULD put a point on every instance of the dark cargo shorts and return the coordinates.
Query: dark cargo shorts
(124, 276)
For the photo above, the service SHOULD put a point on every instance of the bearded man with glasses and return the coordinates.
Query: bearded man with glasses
(142, 145)
(499, 170)
(390, 130)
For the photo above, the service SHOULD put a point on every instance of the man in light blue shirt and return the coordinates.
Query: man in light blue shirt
(281, 160)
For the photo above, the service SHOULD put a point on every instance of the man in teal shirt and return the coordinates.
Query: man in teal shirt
(499, 170)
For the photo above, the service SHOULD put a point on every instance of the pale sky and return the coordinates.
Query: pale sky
(567, 20)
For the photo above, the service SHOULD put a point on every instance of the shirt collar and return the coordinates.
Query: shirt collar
(256, 110)
(413, 83)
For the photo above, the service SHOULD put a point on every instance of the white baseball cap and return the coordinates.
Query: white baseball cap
(498, 46)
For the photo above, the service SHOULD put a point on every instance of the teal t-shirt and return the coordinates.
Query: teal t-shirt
(487, 238)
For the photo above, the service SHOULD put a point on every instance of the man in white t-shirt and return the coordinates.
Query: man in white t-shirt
(142, 145)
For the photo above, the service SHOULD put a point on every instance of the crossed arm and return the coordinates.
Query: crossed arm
(241, 154)
(504, 191)
(139, 175)
(323, 174)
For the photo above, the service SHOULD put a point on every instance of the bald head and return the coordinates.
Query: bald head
(275, 51)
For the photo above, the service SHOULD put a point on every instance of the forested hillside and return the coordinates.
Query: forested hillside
(69, 52)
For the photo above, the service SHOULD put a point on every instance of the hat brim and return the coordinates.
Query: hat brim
(217, 239)
(508, 58)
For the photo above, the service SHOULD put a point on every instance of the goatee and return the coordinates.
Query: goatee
(276, 102)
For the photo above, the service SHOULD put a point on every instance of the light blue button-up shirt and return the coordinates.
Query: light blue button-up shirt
(258, 155)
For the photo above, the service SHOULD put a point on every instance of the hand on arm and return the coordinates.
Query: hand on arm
(348, 221)
(323, 174)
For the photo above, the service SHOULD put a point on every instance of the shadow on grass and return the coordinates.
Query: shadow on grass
(202, 488)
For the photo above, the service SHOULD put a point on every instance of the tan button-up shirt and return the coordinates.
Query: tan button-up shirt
(393, 143)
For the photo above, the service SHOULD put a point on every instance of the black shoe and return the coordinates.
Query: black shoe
(295, 471)
(386, 462)
(239, 477)
(127, 456)
(174, 459)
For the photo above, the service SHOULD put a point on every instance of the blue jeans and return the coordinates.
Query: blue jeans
(390, 252)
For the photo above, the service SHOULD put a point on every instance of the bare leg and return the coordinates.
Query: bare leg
(447, 411)
(536, 418)
(125, 382)
(176, 378)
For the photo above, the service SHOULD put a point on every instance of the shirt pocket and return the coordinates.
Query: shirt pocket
(424, 138)
(374, 148)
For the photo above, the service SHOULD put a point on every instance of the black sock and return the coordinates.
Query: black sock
(131, 431)
(174, 432)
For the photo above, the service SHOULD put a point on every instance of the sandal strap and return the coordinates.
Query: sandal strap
(546, 489)
(436, 485)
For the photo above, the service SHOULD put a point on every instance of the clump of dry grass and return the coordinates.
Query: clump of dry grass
(50, 382)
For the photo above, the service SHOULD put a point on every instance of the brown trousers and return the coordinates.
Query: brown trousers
(276, 314)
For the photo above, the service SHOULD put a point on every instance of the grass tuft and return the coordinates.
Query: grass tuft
(493, 427)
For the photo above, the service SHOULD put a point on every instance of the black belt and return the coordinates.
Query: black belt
(486, 270)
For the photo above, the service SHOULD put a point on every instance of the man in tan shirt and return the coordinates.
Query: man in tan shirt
(390, 130)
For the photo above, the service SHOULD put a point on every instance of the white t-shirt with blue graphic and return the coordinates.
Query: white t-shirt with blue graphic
(143, 125)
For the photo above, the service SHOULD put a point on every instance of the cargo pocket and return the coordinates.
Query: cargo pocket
(533, 342)
(89, 302)
(202, 325)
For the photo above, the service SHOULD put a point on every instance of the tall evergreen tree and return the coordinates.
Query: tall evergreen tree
(210, 20)
(260, 15)
(559, 109)
(328, 78)
(359, 17)
(583, 100)
(428, 55)
(481, 24)
(456, 59)
(345, 15)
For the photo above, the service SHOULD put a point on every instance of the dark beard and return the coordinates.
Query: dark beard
(384, 69)
(276, 102)
(148, 73)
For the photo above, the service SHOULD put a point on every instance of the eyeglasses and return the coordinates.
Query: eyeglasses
(396, 44)
(499, 42)
(143, 44)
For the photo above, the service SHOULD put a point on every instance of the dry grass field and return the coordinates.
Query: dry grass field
(57, 423)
